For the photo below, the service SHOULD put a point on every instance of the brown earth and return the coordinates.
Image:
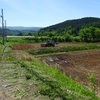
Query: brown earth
(25, 46)
(78, 65)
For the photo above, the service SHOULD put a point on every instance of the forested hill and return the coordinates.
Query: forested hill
(76, 22)
(71, 27)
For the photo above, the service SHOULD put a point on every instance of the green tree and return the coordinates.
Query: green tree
(97, 35)
(29, 34)
(90, 34)
(51, 34)
(20, 34)
(68, 38)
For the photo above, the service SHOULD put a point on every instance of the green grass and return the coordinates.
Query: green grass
(23, 39)
(4, 52)
(46, 50)
(56, 84)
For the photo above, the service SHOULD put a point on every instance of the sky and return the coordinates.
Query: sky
(43, 13)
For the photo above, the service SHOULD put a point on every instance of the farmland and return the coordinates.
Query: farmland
(77, 64)
(28, 76)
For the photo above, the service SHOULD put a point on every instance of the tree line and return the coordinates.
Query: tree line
(85, 30)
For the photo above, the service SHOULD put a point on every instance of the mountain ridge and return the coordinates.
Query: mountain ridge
(71, 27)
(23, 28)
(87, 19)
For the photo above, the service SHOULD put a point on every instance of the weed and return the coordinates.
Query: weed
(93, 82)
(28, 76)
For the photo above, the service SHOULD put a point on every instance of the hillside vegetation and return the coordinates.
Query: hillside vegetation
(84, 29)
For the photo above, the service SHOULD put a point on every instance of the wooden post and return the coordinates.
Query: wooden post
(5, 31)
(2, 26)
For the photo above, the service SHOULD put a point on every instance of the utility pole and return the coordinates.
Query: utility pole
(2, 26)
(5, 31)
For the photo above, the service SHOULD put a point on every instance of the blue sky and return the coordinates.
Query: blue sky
(42, 13)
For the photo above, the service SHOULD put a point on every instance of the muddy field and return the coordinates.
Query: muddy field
(78, 65)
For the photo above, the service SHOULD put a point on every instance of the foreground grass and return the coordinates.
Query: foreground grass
(56, 84)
